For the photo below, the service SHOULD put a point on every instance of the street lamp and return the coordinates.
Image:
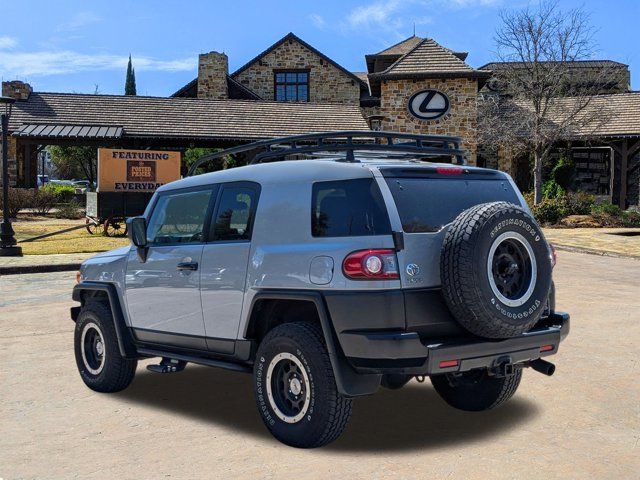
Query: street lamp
(8, 242)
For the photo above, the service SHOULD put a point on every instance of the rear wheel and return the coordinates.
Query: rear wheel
(98, 358)
(295, 388)
(476, 390)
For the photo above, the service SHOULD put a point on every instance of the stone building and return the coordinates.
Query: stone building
(416, 86)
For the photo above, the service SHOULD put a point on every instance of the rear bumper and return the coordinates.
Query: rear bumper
(406, 352)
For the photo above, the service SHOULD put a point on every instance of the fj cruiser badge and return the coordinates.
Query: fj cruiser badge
(413, 269)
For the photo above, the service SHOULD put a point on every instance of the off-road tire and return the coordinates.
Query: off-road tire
(117, 372)
(466, 286)
(328, 412)
(395, 381)
(485, 393)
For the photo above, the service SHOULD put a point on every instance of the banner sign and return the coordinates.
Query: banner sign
(136, 170)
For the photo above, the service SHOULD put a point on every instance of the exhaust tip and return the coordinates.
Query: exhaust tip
(542, 366)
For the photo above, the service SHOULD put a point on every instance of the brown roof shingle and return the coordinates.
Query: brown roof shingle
(172, 117)
(402, 47)
(429, 58)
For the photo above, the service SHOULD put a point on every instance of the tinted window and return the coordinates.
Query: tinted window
(291, 86)
(233, 218)
(348, 208)
(426, 205)
(179, 218)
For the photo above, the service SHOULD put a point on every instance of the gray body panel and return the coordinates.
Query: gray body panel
(161, 298)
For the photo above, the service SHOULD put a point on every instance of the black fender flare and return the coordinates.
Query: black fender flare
(125, 341)
(349, 383)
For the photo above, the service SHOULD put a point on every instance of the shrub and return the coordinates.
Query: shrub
(551, 189)
(579, 203)
(44, 200)
(549, 211)
(606, 209)
(631, 218)
(63, 193)
(71, 210)
(19, 199)
(563, 173)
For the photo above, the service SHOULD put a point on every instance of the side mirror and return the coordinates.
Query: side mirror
(137, 231)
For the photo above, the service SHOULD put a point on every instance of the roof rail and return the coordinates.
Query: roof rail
(347, 141)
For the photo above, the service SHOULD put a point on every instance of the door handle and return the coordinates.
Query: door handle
(188, 266)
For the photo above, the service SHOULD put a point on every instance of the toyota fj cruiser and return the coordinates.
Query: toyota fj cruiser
(332, 264)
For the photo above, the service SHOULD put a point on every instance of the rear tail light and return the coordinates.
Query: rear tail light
(375, 264)
(553, 255)
(448, 363)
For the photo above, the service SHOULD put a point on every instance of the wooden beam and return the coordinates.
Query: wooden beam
(624, 160)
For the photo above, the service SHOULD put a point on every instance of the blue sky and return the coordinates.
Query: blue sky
(72, 46)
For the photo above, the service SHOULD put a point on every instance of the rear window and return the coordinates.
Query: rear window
(348, 208)
(426, 205)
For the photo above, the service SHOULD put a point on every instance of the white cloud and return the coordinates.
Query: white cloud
(317, 20)
(7, 42)
(41, 63)
(78, 21)
(379, 13)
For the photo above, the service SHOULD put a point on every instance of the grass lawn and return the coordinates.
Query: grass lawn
(77, 241)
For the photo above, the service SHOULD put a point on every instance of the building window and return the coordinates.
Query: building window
(292, 86)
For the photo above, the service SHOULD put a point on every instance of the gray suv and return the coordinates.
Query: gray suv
(329, 266)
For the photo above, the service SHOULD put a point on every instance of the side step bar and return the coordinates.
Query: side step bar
(199, 360)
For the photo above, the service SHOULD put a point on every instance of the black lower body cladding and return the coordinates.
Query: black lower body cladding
(496, 270)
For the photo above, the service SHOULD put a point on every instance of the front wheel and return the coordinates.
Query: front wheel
(100, 364)
(295, 387)
(476, 390)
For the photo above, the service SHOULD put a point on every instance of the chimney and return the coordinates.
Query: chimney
(213, 68)
(16, 89)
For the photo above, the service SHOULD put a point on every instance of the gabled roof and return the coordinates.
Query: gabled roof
(400, 48)
(427, 59)
(180, 118)
(291, 36)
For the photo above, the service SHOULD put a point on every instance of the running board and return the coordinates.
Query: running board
(199, 360)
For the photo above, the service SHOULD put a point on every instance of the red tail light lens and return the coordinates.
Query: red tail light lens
(378, 264)
(449, 170)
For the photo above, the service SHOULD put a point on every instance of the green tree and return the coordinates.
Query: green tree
(192, 154)
(75, 162)
(130, 82)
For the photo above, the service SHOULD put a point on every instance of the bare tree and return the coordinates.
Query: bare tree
(539, 98)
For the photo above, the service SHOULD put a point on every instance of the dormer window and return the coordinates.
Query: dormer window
(291, 86)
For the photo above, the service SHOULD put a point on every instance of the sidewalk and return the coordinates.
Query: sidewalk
(619, 242)
(42, 263)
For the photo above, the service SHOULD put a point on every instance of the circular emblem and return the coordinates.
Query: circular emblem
(428, 104)
(413, 269)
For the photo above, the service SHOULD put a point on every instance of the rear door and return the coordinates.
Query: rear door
(429, 199)
(163, 290)
(224, 263)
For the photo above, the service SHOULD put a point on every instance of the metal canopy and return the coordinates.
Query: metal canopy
(69, 131)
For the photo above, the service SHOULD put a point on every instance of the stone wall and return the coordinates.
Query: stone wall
(327, 83)
(213, 68)
(460, 121)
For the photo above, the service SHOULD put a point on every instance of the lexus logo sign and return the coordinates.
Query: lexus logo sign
(428, 104)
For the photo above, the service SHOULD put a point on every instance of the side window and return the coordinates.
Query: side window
(234, 214)
(179, 218)
(348, 208)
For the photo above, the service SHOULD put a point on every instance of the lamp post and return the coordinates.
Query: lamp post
(8, 242)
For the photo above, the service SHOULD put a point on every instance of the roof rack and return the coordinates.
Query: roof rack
(347, 141)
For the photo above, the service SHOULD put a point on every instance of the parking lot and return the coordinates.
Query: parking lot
(584, 422)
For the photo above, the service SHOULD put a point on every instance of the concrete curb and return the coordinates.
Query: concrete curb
(21, 269)
(592, 251)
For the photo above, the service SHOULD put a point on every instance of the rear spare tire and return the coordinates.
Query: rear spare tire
(495, 270)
